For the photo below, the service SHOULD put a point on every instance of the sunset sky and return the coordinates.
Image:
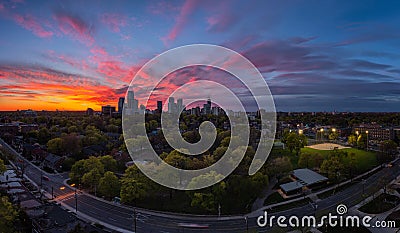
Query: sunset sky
(314, 55)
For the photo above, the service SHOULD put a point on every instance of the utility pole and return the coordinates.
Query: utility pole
(134, 218)
(247, 224)
(41, 179)
(76, 202)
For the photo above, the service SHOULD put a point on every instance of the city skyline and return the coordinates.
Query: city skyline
(315, 57)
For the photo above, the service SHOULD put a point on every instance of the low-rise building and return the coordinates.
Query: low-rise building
(302, 178)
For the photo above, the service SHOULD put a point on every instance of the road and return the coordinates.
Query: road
(152, 221)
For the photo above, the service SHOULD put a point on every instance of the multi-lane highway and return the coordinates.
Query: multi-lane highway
(121, 217)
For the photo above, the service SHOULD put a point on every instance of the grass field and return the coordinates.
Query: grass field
(364, 160)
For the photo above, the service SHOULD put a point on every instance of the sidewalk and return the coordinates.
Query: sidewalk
(377, 217)
(312, 195)
(259, 202)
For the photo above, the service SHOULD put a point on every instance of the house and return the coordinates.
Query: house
(94, 150)
(53, 161)
(302, 178)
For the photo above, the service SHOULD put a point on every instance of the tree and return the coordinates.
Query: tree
(176, 159)
(191, 136)
(73, 129)
(8, 214)
(109, 163)
(55, 146)
(43, 135)
(279, 166)
(77, 171)
(3, 167)
(93, 163)
(296, 142)
(333, 135)
(132, 190)
(388, 147)
(202, 180)
(203, 200)
(362, 140)
(68, 163)
(259, 182)
(352, 140)
(91, 179)
(109, 185)
(33, 134)
(332, 167)
(71, 144)
(219, 152)
(304, 160)
(317, 160)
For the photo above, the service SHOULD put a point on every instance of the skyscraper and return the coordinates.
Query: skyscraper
(159, 106)
(121, 102)
(207, 107)
(179, 105)
(171, 105)
(131, 98)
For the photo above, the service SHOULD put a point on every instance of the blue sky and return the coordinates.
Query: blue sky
(314, 55)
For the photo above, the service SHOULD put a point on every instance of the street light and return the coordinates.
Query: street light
(357, 137)
(367, 138)
(334, 134)
(134, 218)
(76, 199)
(247, 224)
(322, 131)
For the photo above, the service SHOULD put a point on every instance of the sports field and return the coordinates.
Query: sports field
(364, 160)
(327, 146)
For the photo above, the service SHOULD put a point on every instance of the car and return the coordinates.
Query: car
(193, 225)
(46, 178)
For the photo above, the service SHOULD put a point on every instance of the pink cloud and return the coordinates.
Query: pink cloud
(99, 51)
(38, 27)
(32, 24)
(81, 64)
(114, 21)
(180, 22)
(221, 22)
(75, 27)
(111, 68)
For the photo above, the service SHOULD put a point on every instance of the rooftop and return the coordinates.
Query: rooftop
(308, 177)
(291, 186)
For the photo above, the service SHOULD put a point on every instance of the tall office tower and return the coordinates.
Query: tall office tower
(207, 107)
(135, 105)
(171, 105)
(159, 106)
(121, 102)
(142, 109)
(131, 99)
(179, 105)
